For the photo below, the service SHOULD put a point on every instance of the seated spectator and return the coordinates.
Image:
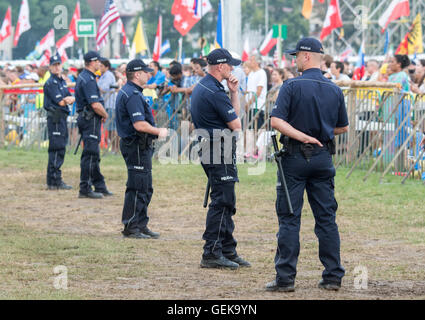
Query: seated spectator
(337, 71)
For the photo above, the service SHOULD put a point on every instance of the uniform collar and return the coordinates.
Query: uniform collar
(312, 71)
(91, 73)
(56, 77)
(135, 85)
(208, 76)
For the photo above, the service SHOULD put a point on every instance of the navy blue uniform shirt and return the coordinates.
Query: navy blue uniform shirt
(312, 104)
(131, 106)
(86, 90)
(55, 90)
(210, 106)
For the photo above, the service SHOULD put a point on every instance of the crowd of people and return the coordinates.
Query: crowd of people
(171, 84)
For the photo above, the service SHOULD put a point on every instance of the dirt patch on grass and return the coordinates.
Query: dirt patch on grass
(102, 265)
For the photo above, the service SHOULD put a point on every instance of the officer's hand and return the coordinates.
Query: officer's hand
(163, 133)
(233, 83)
(312, 140)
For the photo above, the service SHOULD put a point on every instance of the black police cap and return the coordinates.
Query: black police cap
(55, 59)
(307, 44)
(138, 65)
(221, 55)
(91, 56)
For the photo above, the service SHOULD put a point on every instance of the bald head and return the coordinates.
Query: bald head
(307, 60)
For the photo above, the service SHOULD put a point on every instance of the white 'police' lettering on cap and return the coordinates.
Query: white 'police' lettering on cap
(222, 60)
(137, 68)
(305, 48)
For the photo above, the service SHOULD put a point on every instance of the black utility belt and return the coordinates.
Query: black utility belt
(309, 149)
(88, 113)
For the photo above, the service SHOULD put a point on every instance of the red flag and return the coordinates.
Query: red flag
(321, 1)
(23, 22)
(403, 47)
(158, 41)
(184, 16)
(245, 53)
(47, 42)
(332, 20)
(44, 60)
(76, 16)
(396, 9)
(6, 28)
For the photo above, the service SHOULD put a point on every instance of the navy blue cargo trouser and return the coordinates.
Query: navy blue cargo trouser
(138, 193)
(58, 138)
(90, 157)
(317, 178)
(219, 229)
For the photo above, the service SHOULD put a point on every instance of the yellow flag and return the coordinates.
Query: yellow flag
(139, 42)
(415, 36)
(307, 8)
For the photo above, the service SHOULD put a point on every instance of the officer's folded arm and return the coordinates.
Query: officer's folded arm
(286, 129)
(99, 109)
(144, 126)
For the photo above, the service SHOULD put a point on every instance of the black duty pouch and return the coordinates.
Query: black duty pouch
(307, 150)
(145, 140)
(332, 146)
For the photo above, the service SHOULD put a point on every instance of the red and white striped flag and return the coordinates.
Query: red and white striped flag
(23, 22)
(6, 28)
(110, 15)
(333, 19)
(44, 60)
(268, 43)
(73, 25)
(47, 42)
(396, 9)
(121, 29)
(66, 41)
(158, 41)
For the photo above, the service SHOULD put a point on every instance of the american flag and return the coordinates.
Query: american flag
(110, 15)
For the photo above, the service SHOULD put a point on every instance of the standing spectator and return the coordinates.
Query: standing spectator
(325, 65)
(337, 71)
(372, 71)
(107, 85)
(397, 65)
(257, 83)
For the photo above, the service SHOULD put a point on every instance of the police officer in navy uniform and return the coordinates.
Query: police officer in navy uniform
(91, 114)
(136, 127)
(309, 112)
(56, 100)
(214, 114)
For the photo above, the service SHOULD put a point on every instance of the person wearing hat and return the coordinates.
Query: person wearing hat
(136, 128)
(91, 114)
(309, 112)
(217, 123)
(56, 100)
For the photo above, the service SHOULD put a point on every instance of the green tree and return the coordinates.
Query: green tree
(41, 18)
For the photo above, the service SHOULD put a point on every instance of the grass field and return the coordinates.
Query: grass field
(382, 228)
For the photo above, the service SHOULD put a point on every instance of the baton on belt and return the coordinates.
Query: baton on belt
(207, 193)
(278, 157)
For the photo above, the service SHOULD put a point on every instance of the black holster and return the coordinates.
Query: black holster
(145, 140)
(88, 113)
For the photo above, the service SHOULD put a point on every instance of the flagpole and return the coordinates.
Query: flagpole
(146, 41)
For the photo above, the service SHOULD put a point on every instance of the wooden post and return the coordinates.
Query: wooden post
(1, 120)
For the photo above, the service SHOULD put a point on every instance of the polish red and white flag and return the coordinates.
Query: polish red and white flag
(268, 43)
(66, 41)
(396, 9)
